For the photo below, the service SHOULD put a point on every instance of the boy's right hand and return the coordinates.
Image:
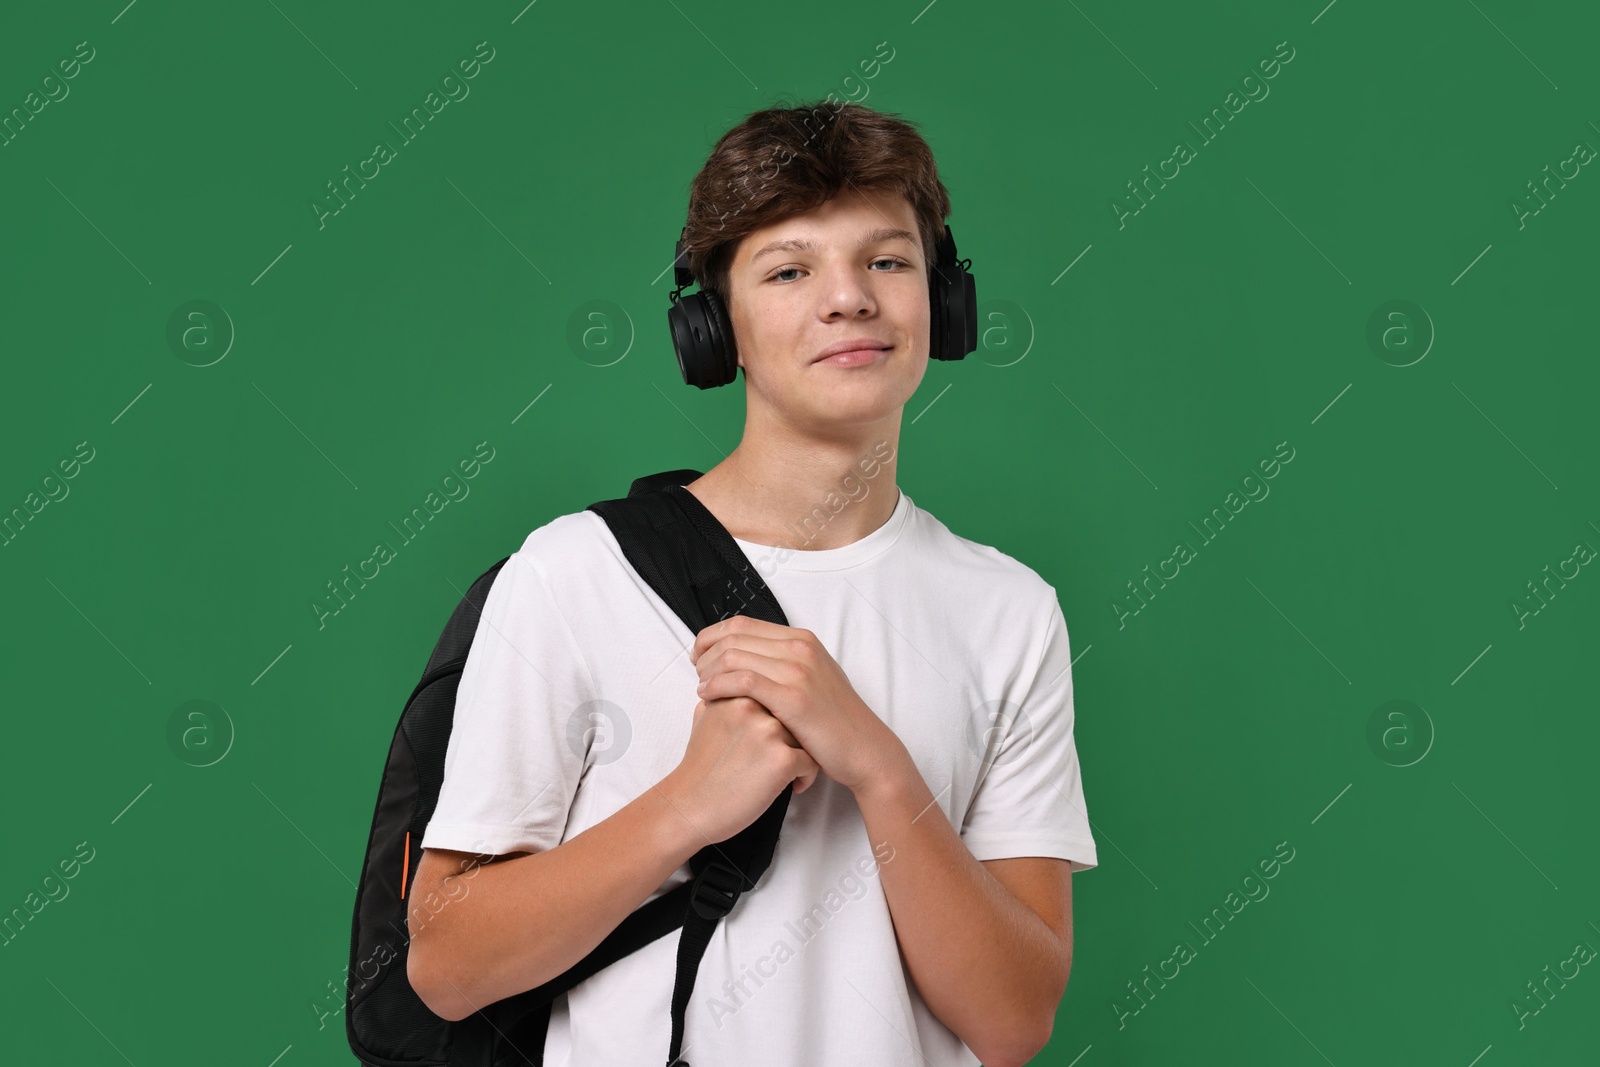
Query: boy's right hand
(739, 758)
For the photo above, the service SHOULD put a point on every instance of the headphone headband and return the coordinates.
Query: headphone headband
(680, 264)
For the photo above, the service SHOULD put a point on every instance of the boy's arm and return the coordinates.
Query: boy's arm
(481, 932)
(987, 965)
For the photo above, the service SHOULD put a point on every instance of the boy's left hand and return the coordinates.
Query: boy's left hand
(788, 671)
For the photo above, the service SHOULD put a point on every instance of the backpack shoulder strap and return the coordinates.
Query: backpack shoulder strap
(693, 563)
(688, 557)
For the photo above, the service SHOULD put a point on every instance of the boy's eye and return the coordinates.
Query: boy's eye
(891, 260)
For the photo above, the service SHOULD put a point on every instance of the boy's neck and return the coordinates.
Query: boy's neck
(807, 495)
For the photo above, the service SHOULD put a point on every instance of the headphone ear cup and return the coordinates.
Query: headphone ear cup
(964, 316)
(952, 304)
(725, 353)
(681, 324)
(953, 314)
(702, 340)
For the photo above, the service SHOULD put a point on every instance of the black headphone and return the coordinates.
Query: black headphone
(702, 333)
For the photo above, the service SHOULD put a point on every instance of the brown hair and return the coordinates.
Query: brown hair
(786, 161)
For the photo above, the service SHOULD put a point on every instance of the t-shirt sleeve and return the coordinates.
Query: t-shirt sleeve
(1030, 802)
(510, 771)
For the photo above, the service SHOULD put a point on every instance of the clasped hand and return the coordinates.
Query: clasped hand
(788, 671)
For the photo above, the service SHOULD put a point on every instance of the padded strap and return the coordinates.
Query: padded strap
(530, 1010)
(676, 544)
(680, 549)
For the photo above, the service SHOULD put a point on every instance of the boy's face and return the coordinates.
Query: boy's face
(863, 277)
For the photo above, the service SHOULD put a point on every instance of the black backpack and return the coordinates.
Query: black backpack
(682, 551)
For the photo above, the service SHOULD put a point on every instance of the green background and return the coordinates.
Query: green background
(1441, 861)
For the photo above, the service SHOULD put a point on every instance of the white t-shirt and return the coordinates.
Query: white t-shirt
(578, 695)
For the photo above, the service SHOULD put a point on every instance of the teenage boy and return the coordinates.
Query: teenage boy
(918, 907)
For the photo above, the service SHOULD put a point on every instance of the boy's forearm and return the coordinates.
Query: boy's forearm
(986, 965)
(510, 926)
